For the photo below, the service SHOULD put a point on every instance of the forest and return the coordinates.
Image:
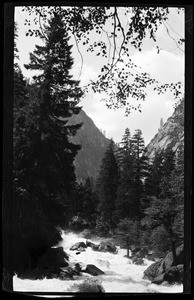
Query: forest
(136, 199)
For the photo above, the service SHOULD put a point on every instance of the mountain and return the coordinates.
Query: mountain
(93, 143)
(170, 133)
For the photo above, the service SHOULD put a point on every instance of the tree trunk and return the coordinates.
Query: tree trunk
(174, 252)
(127, 251)
(173, 248)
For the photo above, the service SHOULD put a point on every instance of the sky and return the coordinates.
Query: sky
(166, 67)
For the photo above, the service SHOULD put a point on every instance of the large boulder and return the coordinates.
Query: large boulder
(86, 233)
(89, 243)
(69, 272)
(142, 253)
(174, 274)
(48, 265)
(134, 249)
(53, 257)
(153, 270)
(40, 273)
(154, 255)
(93, 270)
(78, 245)
(95, 247)
(163, 265)
(158, 279)
(105, 247)
(139, 262)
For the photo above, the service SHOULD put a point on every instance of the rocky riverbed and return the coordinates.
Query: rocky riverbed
(100, 259)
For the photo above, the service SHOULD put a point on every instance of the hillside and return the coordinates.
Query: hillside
(170, 133)
(93, 143)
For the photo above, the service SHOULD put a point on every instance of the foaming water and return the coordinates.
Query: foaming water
(120, 274)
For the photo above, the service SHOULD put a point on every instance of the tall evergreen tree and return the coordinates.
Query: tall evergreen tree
(43, 153)
(124, 206)
(166, 211)
(107, 183)
(58, 95)
(155, 174)
(140, 169)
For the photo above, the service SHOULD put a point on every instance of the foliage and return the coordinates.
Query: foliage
(84, 201)
(160, 240)
(156, 172)
(166, 211)
(133, 166)
(129, 231)
(125, 201)
(107, 182)
(110, 32)
(43, 155)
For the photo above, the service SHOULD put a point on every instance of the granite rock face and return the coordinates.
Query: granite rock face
(170, 133)
(93, 143)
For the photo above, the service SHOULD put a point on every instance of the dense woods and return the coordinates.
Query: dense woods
(149, 201)
(138, 200)
(44, 176)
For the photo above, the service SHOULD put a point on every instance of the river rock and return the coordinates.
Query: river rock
(158, 279)
(139, 262)
(40, 273)
(154, 256)
(152, 271)
(134, 249)
(93, 270)
(107, 247)
(78, 245)
(174, 274)
(86, 233)
(142, 253)
(160, 267)
(53, 257)
(48, 265)
(67, 272)
(95, 247)
(89, 243)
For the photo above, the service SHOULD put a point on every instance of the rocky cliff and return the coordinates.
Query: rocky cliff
(170, 133)
(93, 143)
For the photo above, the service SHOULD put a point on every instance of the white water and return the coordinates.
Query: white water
(120, 275)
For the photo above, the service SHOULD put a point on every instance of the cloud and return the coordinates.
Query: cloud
(165, 67)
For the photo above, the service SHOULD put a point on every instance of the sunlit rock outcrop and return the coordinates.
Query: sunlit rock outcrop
(170, 133)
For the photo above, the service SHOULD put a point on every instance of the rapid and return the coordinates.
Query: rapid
(121, 276)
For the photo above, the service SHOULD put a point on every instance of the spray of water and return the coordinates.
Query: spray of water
(120, 274)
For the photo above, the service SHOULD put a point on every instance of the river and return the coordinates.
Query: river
(120, 276)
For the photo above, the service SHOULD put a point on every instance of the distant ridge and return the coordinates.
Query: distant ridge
(94, 145)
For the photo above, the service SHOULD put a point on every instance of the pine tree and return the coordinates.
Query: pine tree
(43, 153)
(140, 169)
(127, 232)
(166, 211)
(126, 140)
(124, 205)
(107, 183)
(156, 173)
(58, 95)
